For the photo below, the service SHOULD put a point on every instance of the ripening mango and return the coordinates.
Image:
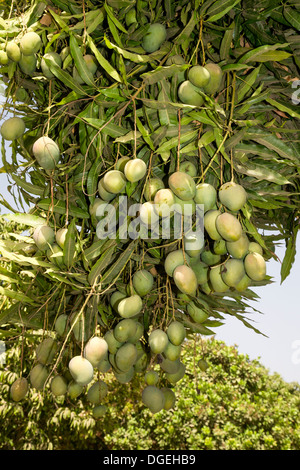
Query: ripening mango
(199, 76)
(182, 185)
(190, 94)
(220, 247)
(112, 343)
(153, 398)
(254, 247)
(43, 236)
(151, 377)
(239, 248)
(209, 258)
(233, 271)
(148, 216)
(244, 283)
(215, 81)
(194, 243)
(95, 349)
(135, 169)
(196, 313)
(28, 64)
(74, 389)
(158, 340)
(114, 181)
(13, 51)
(126, 357)
(125, 377)
(232, 195)
(81, 370)
(99, 411)
(206, 195)
(103, 193)
(155, 36)
(189, 168)
(46, 152)
(200, 269)
(216, 280)
(177, 376)
(142, 281)
(185, 279)
(255, 266)
(229, 227)
(151, 187)
(172, 352)
(210, 218)
(125, 329)
(19, 389)
(30, 43)
(164, 201)
(61, 324)
(12, 128)
(176, 332)
(169, 366)
(130, 306)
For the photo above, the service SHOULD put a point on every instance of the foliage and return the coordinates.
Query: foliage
(248, 132)
(235, 404)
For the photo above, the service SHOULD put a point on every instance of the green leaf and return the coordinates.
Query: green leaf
(226, 43)
(261, 53)
(114, 272)
(59, 207)
(289, 257)
(219, 9)
(102, 61)
(261, 172)
(79, 61)
(293, 17)
(111, 15)
(65, 78)
(26, 219)
(284, 107)
(29, 187)
(247, 83)
(101, 264)
(162, 72)
(70, 244)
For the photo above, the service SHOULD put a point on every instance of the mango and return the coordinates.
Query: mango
(61, 324)
(28, 64)
(239, 248)
(38, 376)
(148, 216)
(19, 389)
(3, 58)
(151, 187)
(43, 236)
(232, 195)
(176, 332)
(97, 392)
(104, 365)
(185, 279)
(141, 362)
(81, 370)
(142, 281)
(182, 185)
(189, 168)
(46, 350)
(135, 170)
(233, 271)
(255, 266)
(13, 51)
(216, 76)
(210, 218)
(190, 94)
(155, 36)
(158, 340)
(103, 193)
(220, 247)
(115, 299)
(121, 162)
(185, 208)
(177, 376)
(209, 258)
(196, 313)
(91, 65)
(153, 398)
(52, 57)
(114, 181)
(151, 377)
(206, 194)
(254, 247)
(112, 344)
(229, 227)
(200, 269)
(164, 201)
(216, 280)
(74, 389)
(125, 329)
(194, 243)
(203, 365)
(172, 352)
(139, 331)
(126, 357)
(46, 152)
(169, 366)
(13, 128)
(244, 283)
(125, 377)
(95, 349)
(130, 306)
(99, 411)
(58, 386)
(169, 397)
(199, 76)
(30, 43)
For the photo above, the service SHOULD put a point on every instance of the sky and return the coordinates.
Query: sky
(278, 349)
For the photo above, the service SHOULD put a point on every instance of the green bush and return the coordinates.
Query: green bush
(234, 404)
